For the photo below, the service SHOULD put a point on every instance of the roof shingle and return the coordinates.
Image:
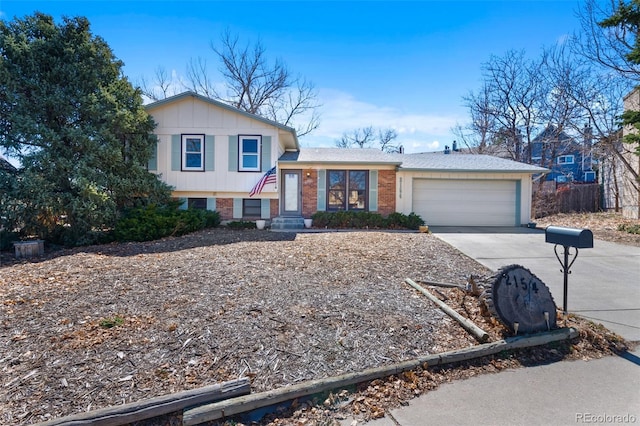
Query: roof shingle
(425, 161)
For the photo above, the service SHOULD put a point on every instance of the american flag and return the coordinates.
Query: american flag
(269, 177)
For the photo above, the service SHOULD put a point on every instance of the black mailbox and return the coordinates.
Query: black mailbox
(569, 237)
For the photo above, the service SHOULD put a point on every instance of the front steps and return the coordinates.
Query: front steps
(287, 223)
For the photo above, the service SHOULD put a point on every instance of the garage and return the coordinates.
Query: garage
(466, 202)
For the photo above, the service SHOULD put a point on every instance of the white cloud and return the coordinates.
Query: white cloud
(341, 112)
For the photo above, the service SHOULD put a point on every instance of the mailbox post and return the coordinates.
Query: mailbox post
(567, 238)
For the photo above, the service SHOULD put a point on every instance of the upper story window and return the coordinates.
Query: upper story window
(193, 152)
(566, 159)
(249, 153)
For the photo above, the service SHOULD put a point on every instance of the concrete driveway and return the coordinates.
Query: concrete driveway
(604, 284)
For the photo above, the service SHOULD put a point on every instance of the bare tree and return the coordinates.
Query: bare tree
(386, 138)
(560, 116)
(247, 80)
(366, 137)
(608, 46)
(591, 105)
(162, 86)
(476, 135)
(198, 79)
(361, 138)
(253, 84)
(505, 111)
(599, 94)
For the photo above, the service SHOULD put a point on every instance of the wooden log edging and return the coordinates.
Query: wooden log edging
(480, 335)
(153, 407)
(242, 404)
(445, 285)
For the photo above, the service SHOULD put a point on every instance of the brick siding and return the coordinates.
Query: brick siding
(386, 192)
(224, 206)
(309, 192)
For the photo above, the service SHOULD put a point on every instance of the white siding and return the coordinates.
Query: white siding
(190, 115)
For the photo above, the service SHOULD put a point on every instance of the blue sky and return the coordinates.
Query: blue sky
(404, 65)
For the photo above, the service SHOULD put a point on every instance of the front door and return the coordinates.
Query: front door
(291, 193)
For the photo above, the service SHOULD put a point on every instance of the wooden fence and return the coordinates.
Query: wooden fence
(551, 198)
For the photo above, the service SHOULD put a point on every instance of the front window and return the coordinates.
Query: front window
(337, 187)
(347, 189)
(193, 152)
(249, 153)
(251, 207)
(565, 159)
(197, 203)
(357, 189)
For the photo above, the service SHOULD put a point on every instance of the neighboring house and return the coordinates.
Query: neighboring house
(625, 168)
(213, 155)
(568, 159)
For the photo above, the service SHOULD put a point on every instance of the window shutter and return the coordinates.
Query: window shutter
(266, 153)
(176, 152)
(185, 203)
(209, 152)
(237, 208)
(233, 153)
(265, 208)
(211, 204)
(152, 165)
(373, 190)
(322, 190)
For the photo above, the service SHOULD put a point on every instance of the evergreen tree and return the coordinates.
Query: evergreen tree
(625, 20)
(77, 126)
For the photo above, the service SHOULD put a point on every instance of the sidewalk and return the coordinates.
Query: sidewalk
(602, 391)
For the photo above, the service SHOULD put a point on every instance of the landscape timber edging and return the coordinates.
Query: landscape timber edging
(246, 403)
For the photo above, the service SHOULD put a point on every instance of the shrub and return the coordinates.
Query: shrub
(394, 220)
(402, 221)
(241, 224)
(7, 238)
(321, 219)
(366, 220)
(71, 237)
(153, 222)
(629, 228)
(413, 221)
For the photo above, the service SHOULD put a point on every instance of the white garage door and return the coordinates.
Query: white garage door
(449, 202)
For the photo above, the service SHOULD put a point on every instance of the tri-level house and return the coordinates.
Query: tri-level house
(246, 167)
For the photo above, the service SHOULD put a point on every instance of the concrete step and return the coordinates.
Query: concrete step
(287, 223)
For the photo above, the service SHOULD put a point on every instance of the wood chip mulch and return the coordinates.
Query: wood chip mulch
(604, 225)
(105, 325)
